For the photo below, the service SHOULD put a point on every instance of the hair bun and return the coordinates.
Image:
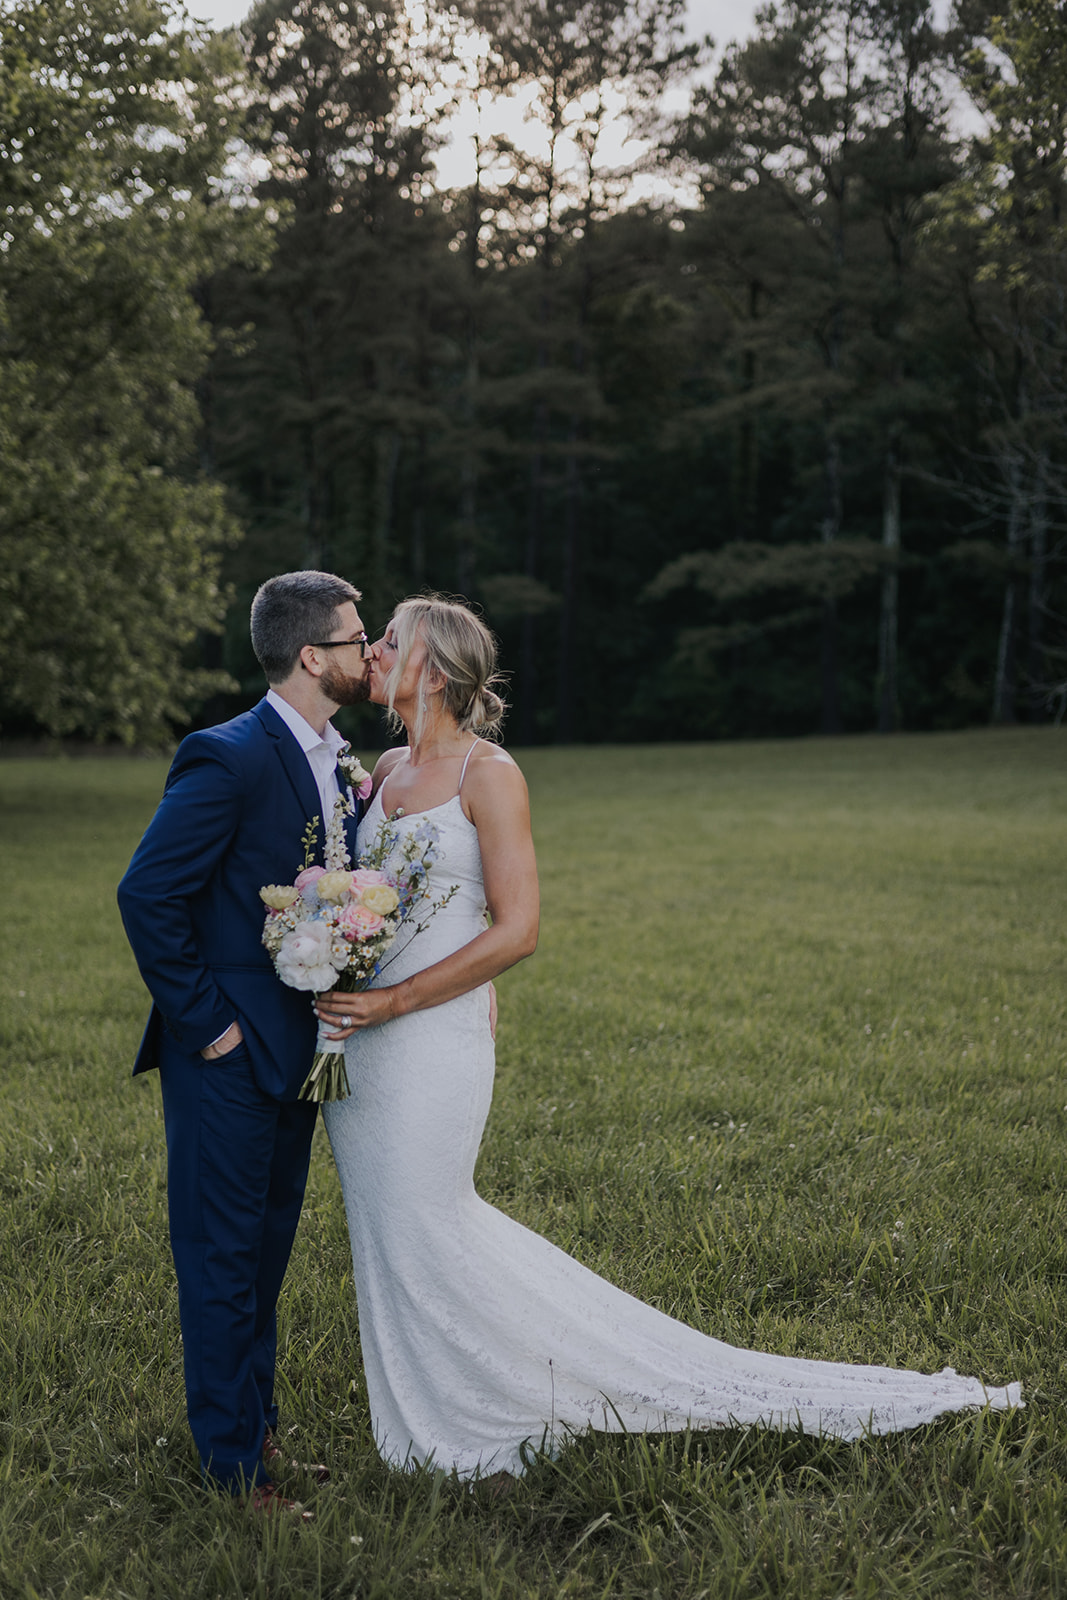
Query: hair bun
(486, 711)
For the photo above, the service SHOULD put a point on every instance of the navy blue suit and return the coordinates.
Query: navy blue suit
(236, 803)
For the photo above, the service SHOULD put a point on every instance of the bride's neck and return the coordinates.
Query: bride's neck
(441, 738)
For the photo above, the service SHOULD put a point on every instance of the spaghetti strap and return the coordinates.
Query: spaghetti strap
(385, 780)
(466, 758)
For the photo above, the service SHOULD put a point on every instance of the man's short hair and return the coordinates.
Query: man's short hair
(292, 610)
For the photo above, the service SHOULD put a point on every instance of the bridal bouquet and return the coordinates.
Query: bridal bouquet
(330, 927)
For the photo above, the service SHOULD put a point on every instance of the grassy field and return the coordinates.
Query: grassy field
(789, 1063)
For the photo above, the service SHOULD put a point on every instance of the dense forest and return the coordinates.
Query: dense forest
(762, 432)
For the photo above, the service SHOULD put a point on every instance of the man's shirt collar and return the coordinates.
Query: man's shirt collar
(302, 731)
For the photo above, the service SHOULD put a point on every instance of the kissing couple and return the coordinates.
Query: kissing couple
(481, 1341)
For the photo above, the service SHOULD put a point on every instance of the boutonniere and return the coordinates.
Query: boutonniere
(356, 775)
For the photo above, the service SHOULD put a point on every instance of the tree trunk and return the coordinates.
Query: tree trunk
(831, 527)
(888, 688)
(1005, 687)
(315, 491)
(746, 445)
(468, 490)
(528, 637)
(1035, 641)
(316, 553)
(468, 505)
(534, 518)
(572, 511)
(418, 515)
(569, 598)
(386, 461)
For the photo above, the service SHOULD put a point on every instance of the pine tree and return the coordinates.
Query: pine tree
(589, 68)
(330, 390)
(816, 148)
(1010, 220)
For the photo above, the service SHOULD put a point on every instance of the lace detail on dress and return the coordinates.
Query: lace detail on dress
(480, 1337)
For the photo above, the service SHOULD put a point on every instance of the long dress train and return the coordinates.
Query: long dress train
(480, 1337)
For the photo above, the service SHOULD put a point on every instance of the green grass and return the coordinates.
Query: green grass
(790, 1063)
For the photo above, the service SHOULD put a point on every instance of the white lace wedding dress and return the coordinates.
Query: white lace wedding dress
(479, 1336)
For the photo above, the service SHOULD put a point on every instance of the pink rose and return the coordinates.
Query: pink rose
(363, 877)
(305, 881)
(356, 922)
(365, 788)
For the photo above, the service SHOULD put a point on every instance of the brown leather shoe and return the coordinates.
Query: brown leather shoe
(267, 1500)
(275, 1461)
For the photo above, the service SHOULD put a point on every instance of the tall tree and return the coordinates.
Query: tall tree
(816, 149)
(784, 114)
(321, 406)
(1010, 218)
(116, 128)
(903, 160)
(588, 68)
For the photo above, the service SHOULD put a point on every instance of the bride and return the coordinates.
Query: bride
(481, 1339)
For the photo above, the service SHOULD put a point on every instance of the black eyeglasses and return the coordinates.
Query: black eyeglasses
(336, 644)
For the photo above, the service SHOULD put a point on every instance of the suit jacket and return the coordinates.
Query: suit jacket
(236, 803)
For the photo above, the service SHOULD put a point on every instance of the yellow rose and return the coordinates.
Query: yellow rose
(333, 886)
(279, 896)
(381, 898)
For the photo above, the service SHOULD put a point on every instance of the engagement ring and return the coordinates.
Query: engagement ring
(345, 1019)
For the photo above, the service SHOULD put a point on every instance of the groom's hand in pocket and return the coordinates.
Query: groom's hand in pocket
(222, 1046)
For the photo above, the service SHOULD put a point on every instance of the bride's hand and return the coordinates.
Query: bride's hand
(345, 1014)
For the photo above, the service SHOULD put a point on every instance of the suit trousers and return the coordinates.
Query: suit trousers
(237, 1164)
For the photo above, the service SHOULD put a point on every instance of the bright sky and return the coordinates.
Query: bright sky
(724, 20)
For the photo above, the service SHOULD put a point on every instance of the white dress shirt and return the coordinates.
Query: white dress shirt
(321, 750)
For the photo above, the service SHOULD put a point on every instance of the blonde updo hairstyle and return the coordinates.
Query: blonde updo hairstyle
(460, 653)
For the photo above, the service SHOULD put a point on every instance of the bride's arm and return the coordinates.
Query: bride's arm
(495, 797)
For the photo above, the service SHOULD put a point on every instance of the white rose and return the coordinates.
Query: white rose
(303, 959)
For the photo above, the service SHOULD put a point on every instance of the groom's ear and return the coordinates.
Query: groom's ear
(309, 660)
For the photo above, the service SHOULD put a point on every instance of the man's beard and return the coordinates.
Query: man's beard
(343, 689)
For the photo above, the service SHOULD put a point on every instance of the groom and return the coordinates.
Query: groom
(233, 1045)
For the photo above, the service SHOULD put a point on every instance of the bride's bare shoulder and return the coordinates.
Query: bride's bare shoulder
(493, 784)
(385, 764)
(492, 761)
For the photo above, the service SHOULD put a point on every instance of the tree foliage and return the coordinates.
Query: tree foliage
(116, 126)
(754, 424)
